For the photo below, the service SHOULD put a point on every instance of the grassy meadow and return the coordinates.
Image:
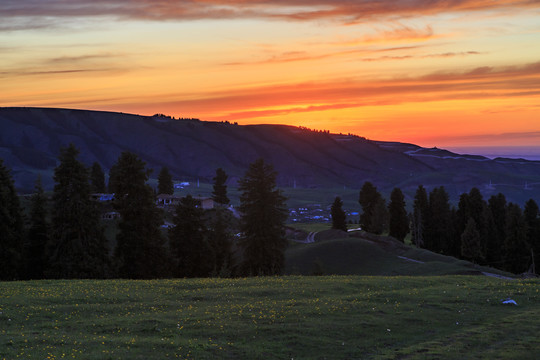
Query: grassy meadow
(290, 317)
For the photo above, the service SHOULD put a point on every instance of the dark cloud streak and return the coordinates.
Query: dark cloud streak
(14, 73)
(480, 83)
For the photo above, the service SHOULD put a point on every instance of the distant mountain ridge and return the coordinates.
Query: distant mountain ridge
(30, 139)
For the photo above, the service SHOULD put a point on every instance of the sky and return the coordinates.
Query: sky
(447, 73)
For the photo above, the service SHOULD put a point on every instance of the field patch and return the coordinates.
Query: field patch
(324, 317)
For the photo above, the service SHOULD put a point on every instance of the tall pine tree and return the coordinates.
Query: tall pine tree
(77, 246)
(38, 234)
(532, 218)
(263, 217)
(220, 188)
(11, 227)
(165, 182)
(187, 240)
(374, 215)
(221, 225)
(471, 248)
(517, 254)
(420, 215)
(339, 218)
(494, 250)
(438, 222)
(472, 205)
(97, 178)
(398, 219)
(139, 252)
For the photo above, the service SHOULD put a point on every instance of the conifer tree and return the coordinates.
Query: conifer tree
(77, 245)
(38, 234)
(220, 241)
(494, 250)
(470, 242)
(473, 205)
(374, 215)
(11, 227)
(139, 253)
(339, 218)
(97, 178)
(187, 240)
(398, 219)
(420, 215)
(165, 182)
(517, 253)
(454, 248)
(262, 225)
(379, 221)
(438, 222)
(220, 189)
(532, 218)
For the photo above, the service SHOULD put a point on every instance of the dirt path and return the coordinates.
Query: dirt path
(498, 276)
(311, 237)
(412, 260)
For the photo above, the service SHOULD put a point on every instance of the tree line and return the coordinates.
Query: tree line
(493, 232)
(67, 240)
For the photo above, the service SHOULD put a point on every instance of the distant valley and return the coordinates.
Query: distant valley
(30, 139)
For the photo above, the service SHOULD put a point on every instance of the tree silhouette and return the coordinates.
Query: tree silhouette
(38, 234)
(374, 214)
(97, 178)
(497, 207)
(165, 182)
(470, 242)
(472, 205)
(262, 225)
(420, 216)
(517, 255)
(398, 220)
(532, 219)
(438, 226)
(219, 222)
(11, 227)
(220, 189)
(187, 240)
(140, 252)
(77, 246)
(339, 219)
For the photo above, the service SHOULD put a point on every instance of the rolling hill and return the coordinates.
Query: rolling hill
(30, 139)
(336, 252)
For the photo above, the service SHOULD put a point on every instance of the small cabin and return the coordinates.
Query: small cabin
(165, 200)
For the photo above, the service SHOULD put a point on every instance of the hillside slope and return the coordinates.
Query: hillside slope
(339, 253)
(30, 139)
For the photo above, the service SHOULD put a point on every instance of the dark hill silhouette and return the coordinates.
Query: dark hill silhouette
(30, 139)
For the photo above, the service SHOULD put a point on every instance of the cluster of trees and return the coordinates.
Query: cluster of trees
(66, 239)
(494, 232)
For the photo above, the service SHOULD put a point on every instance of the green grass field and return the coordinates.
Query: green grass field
(328, 317)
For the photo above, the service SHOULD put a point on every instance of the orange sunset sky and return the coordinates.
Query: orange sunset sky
(454, 73)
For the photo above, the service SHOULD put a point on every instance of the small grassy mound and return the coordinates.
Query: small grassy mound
(338, 253)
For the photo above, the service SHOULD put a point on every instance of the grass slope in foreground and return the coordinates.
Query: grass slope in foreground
(334, 317)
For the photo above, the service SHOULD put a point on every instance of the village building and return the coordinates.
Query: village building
(167, 201)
